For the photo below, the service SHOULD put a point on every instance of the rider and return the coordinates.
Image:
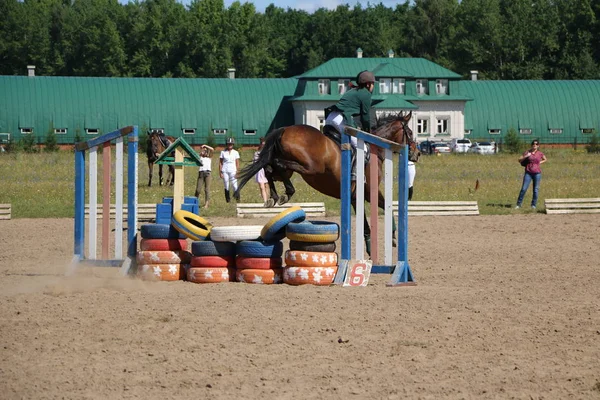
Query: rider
(229, 164)
(355, 102)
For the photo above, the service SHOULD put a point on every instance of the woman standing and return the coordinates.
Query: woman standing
(531, 160)
(204, 174)
(261, 179)
(229, 163)
(413, 157)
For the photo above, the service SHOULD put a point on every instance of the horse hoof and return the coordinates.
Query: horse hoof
(283, 199)
(269, 203)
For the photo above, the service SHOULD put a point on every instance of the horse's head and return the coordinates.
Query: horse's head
(394, 127)
(155, 146)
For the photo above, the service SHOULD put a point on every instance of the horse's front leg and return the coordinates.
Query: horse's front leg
(150, 168)
(381, 204)
(366, 231)
(160, 178)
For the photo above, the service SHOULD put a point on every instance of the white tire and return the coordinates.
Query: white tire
(235, 233)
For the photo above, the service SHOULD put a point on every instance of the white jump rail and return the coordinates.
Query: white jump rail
(572, 206)
(257, 210)
(145, 212)
(440, 208)
(5, 211)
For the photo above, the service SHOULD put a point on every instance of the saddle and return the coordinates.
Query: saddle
(332, 133)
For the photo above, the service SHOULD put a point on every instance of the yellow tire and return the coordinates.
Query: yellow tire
(191, 225)
(275, 228)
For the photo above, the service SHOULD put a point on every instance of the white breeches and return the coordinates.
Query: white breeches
(229, 176)
(337, 119)
(412, 171)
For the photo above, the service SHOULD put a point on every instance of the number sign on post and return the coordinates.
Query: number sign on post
(359, 272)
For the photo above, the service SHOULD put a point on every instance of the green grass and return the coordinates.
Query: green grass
(42, 185)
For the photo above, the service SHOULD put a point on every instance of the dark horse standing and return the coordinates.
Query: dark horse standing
(307, 151)
(155, 146)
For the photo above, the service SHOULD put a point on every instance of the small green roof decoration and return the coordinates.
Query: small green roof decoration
(190, 157)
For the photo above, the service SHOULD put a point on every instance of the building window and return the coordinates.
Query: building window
(91, 131)
(468, 131)
(442, 126)
(385, 85)
(398, 86)
(60, 131)
(422, 126)
(441, 86)
(249, 132)
(343, 85)
(556, 130)
(588, 130)
(525, 131)
(160, 131)
(494, 131)
(323, 86)
(26, 131)
(422, 86)
(219, 132)
(189, 131)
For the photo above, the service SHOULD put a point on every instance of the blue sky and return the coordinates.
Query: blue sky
(306, 5)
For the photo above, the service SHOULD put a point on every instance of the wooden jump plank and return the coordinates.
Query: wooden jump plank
(572, 206)
(145, 212)
(441, 208)
(5, 211)
(257, 210)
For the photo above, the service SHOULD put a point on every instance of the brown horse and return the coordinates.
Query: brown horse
(154, 147)
(307, 151)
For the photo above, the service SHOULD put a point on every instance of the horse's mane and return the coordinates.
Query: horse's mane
(387, 118)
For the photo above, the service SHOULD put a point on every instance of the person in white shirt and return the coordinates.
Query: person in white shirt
(229, 163)
(204, 174)
(261, 179)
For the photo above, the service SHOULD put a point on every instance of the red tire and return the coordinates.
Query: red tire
(210, 275)
(160, 272)
(259, 276)
(300, 258)
(163, 257)
(257, 262)
(163, 244)
(320, 276)
(213, 261)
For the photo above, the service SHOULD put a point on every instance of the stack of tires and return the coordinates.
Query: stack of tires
(163, 253)
(259, 262)
(311, 258)
(212, 262)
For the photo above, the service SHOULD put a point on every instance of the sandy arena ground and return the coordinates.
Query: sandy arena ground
(506, 307)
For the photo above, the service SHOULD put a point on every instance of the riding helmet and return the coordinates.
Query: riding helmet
(365, 77)
(230, 140)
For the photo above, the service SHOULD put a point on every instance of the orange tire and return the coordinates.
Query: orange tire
(213, 261)
(300, 258)
(160, 272)
(163, 257)
(257, 262)
(163, 244)
(321, 276)
(265, 276)
(210, 275)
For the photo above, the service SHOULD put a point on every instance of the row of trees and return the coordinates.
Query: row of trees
(502, 39)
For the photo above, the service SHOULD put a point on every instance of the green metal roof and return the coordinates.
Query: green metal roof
(392, 101)
(79, 103)
(381, 67)
(537, 105)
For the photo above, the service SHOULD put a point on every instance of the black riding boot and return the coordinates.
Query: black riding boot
(236, 196)
(410, 193)
(227, 198)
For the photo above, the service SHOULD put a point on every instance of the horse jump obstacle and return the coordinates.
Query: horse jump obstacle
(92, 146)
(401, 273)
(5, 211)
(572, 206)
(145, 212)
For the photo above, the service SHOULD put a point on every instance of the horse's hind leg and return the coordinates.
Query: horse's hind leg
(289, 192)
(150, 168)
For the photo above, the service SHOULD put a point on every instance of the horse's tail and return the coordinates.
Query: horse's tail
(266, 156)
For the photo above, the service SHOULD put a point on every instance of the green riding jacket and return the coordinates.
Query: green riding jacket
(356, 102)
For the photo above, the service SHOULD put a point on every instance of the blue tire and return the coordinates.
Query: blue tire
(160, 231)
(210, 248)
(275, 228)
(259, 249)
(313, 231)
